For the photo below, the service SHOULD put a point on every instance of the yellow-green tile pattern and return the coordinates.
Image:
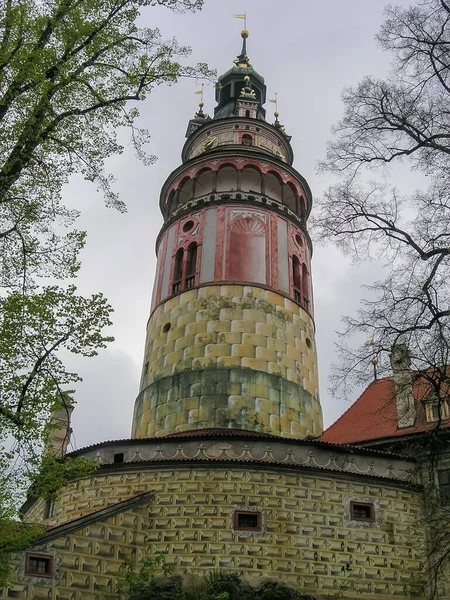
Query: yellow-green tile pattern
(307, 541)
(262, 340)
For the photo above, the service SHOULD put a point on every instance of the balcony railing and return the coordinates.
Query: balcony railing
(190, 281)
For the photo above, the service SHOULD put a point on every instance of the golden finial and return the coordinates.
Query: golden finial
(246, 78)
(374, 360)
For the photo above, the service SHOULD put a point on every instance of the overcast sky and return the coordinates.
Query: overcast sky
(307, 51)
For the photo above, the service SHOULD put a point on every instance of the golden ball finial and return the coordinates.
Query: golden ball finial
(246, 78)
(374, 361)
(201, 104)
(276, 114)
(244, 34)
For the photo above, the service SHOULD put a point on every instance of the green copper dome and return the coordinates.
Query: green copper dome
(231, 83)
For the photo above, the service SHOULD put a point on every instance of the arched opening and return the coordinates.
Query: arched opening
(191, 265)
(177, 271)
(227, 179)
(204, 183)
(302, 208)
(186, 190)
(247, 114)
(296, 278)
(272, 186)
(251, 180)
(305, 286)
(247, 139)
(171, 203)
(290, 197)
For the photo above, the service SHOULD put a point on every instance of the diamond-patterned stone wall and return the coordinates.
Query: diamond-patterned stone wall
(308, 540)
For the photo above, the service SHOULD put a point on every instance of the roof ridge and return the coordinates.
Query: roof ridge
(78, 522)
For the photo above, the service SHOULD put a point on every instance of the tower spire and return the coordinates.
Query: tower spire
(242, 60)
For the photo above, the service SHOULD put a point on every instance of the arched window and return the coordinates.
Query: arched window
(247, 139)
(247, 114)
(191, 265)
(204, 183)
(227, 179)
(290, 197)
(171, 203)
(177, 271)
(186, 191)
(251, 180)
(272, 185)
(302, 208)
(305, 286)
(296, 278)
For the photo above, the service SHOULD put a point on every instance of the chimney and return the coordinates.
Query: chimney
(403, 385)
(59, 429)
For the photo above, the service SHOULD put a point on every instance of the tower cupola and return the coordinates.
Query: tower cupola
(231, 83)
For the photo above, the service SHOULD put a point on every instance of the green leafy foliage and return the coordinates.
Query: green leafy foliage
(56, 471)
(14, 536)
(71, 75)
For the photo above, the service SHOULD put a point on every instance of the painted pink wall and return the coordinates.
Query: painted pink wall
(252, 245)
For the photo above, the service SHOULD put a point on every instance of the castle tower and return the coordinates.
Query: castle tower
(230, 339)
(229, 379)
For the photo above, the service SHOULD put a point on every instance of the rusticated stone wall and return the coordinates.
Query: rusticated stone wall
(308, 539)
(229, 356)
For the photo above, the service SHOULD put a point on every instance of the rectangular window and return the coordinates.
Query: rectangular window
(50, 508)
(247, 521)
(362, 511)
(118, 458)
(40, 565)
(436, 411)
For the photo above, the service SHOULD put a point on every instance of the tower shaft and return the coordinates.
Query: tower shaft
(230, 339)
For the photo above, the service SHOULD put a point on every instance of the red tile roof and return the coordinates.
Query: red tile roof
(374, 415)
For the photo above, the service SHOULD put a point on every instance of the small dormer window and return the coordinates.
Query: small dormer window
(436, 411)
(247, 114)
(247, 139)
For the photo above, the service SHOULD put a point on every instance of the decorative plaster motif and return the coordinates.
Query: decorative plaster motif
(289, 456)
(247, 214)
(245, 224)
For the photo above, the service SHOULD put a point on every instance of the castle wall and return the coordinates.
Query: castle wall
(308, 538)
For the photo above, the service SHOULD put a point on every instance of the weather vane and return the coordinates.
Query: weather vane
(200, 92)
(242, 16)
(275, 101)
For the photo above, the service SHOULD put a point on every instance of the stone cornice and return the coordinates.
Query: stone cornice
(264, 452)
